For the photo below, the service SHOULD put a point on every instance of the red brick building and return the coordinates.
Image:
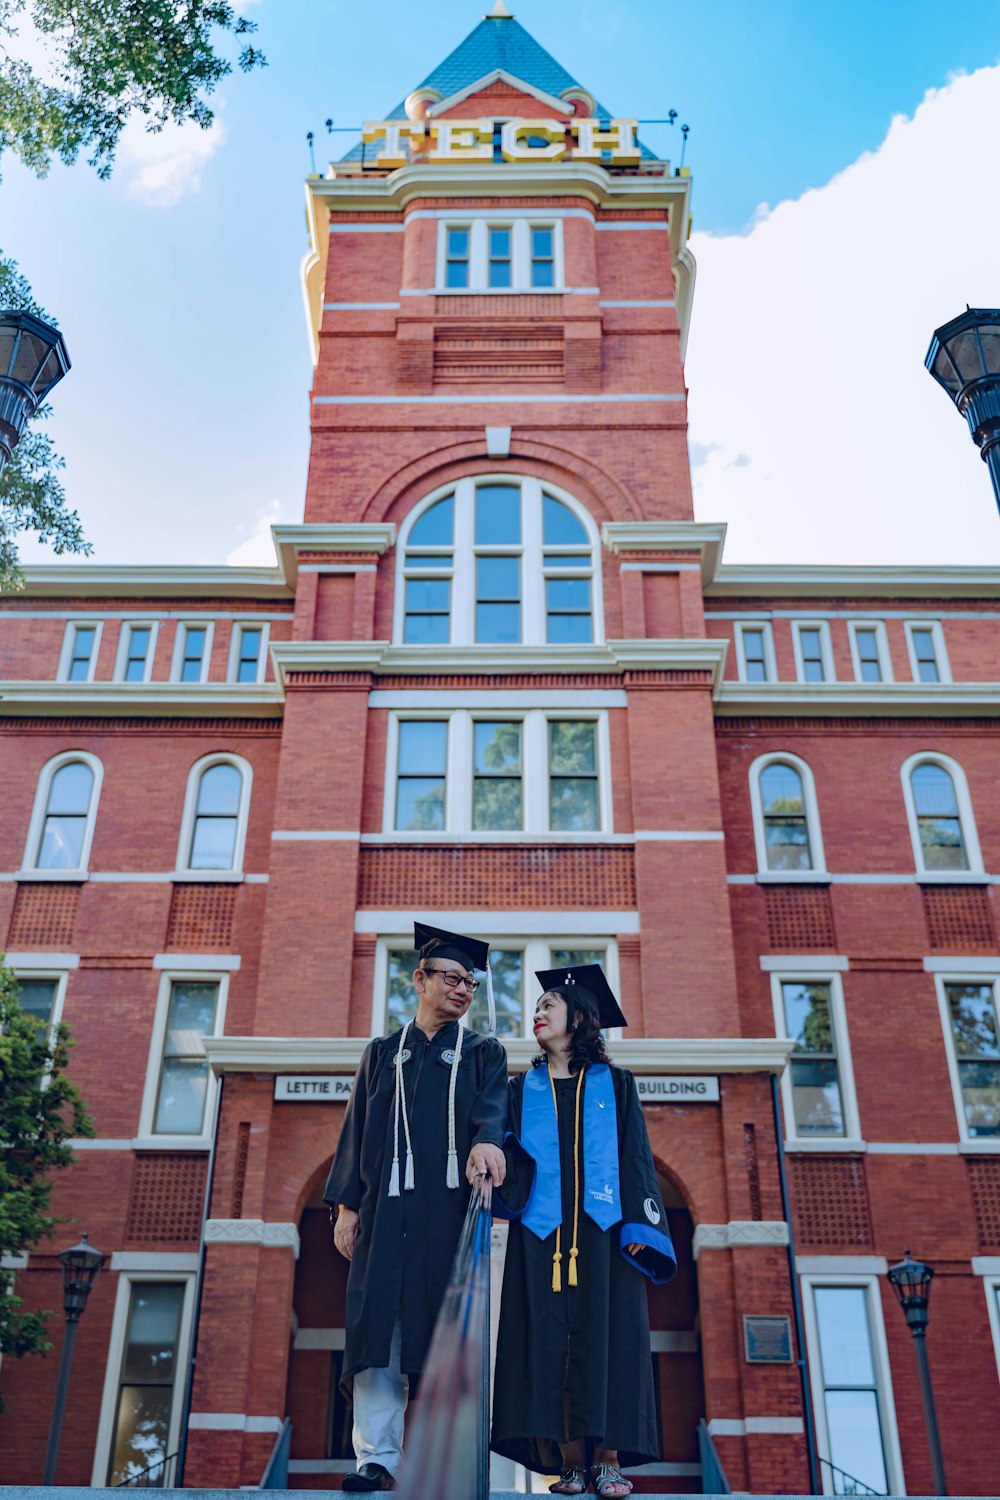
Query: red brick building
(500, 677)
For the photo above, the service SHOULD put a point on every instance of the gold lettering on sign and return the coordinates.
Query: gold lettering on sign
(393, 153)
(618, 138)
(515, 148)
(460, 140)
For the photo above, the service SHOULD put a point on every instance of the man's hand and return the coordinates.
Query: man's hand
(345, 1231)
(486, 1160)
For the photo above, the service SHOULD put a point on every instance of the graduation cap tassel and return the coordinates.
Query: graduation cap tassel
(491, 1005)
(399, 1098)
(451, 1176)
(394, 1178)
(408, 1179)
(556, 1270)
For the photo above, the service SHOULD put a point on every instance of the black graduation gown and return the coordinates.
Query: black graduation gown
(589, 1342)
(405, 1246)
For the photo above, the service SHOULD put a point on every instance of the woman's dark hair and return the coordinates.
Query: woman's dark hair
(584, 1024)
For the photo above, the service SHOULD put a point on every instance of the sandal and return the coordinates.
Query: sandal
(572, 1481)
(605, 1476)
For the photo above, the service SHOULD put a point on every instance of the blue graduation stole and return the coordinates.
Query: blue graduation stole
(540, 1138)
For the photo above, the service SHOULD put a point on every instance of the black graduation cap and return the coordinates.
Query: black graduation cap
(432, 942)
(589, 977)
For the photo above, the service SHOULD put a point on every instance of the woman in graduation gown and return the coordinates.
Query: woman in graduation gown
(573, 1390)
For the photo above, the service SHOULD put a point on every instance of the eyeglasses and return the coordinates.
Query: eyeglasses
(453, 980)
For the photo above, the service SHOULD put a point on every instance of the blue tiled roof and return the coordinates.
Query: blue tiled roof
(494, 43)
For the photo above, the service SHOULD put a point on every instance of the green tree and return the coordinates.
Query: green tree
(105, 62)
(40, 1112)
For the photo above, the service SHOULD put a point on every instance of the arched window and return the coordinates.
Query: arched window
(498, 562)
(62, 825)
(786, 817)
(213, 833)
(942, 829)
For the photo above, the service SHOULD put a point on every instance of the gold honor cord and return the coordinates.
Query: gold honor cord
(573, 1252)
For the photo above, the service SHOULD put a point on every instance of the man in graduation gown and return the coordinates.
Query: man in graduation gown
(426, 1100)
(589, 1228)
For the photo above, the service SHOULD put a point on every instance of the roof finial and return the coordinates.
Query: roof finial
(499, 13)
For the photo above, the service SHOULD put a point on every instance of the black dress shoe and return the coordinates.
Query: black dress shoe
(369, 1477)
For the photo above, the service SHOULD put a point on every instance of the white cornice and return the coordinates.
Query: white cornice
(173, 700)
(81, 580)
(289, 541)
(715, 1055)
(387, 660)
(883, 699)
(810, 582)
(707, 539)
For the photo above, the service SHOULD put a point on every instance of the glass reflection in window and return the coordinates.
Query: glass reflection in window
(216, 818)
(497, 801)
(146, 1384)
(574, 804)
(851, 1389)
(421, 774)
(816, 1096)
(67, 810)
(939, 822)
(783, 808)
(180, 1101)
(973, 1014)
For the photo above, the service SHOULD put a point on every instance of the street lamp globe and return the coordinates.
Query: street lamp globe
(964, 359)
(33, 359)
(80, 1265)
(911, 1281)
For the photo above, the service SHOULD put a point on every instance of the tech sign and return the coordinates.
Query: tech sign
(586, 139)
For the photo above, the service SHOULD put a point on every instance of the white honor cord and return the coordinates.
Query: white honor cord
(491, 1005)
(451, 1176)
(399, 1103)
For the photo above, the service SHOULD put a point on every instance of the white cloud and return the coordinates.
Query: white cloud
(160, 167)
(257, 550)
(816, 432)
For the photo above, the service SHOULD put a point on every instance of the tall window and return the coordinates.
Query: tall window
(938, 819)
(37, 998)
(783, 809)
(146, 1382)
(574, 799)
(755, 653)
(497, 562)
(64, 815)
(497, 800)
(192, 657)
(927, 653)
(812, 650)
(975, 1035)
(457, 257)
(500, 255)
(543, 270)
(421, 775)
(135, 654)
(216, 818)
(853, 1405)
(817, 1099)
(870, 652)
(248, 656)
(80, 652)
(182, 1090)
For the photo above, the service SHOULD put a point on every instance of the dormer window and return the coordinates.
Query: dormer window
(480, 255)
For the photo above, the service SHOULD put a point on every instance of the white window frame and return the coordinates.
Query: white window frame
(234, 648)
(183, 871)
(530, 550)
(148, 1137)
(770, 661)
(29, 869)
(23, 970)
(852, 1139)
(124, 637)
(520, 226)
(534, 775)
(826, 650)
(991, 1285)
(940, 653)
(881, 646)
(883, 1370)
(966, 817)
(536, 955)
(116, 1350)
(180, 641)
(819, 871)
(979, 1144)
(66, 654)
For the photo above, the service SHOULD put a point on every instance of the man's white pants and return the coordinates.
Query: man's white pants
(380, 1398)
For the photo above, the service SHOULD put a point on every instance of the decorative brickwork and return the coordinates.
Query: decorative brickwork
(168, 1189)
(500, 307)
(800, 917)
(830, 1201)
(240, 1173)
(984, 1181)
(201, 916)
(44, 915)
(753, 1170)
(465, 353)
(485, 878)
(958, 917)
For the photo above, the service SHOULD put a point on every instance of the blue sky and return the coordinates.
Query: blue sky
(184, 419)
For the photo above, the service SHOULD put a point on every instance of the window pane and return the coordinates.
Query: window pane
(428, 595)
(781, 790)
(852, 1418)
(845, 1341)
(497, 804)
(497, 800)
(82, 650)
(151, 1340)
(787, 844)
(498, 623)
(138, 650)
(816, 1096)
(541, 243)
(498, 515)
(938, 818)
(180, 1108)
(191, 1016)
(542, 273)
(498, 578)
(558, 957)
(213, 843)
(401, 1001)
(497, 749)
(423, 747)
(754, 659)
(219, 790)
(249, 662)
(427, 630)
(568, 630)
(70, 789)
(37, 998)
(457, 273)
(142, 1426)
(811, 651)
(973, 1020)
(573, 805)
(458, 243)
(565, 594)
(194, 653)
(560, 527)
(420, 803)
(61, 845)
(573, 560)
(923, 650)
(981, 1097)
(867, 647)
(508, 988)
(428, 560)
(573, 747)
(934, 791)
(807, 1016)
(436, 526)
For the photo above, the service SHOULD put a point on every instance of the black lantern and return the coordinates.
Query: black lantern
(911, 1281)
(33, 359)
(964, 358)
(80, 1266)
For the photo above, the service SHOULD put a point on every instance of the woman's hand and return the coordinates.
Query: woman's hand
(634, 1249)
(345, 1231)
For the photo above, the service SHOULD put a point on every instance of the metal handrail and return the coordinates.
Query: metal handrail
(143, 1479)
(275, 1476)
(448, 1445)
(713, 1475)
(858, 1486)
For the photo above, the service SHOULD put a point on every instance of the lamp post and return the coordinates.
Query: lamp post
(80, 1266)
(911, 1281)
(964, 358)
(33, 359)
